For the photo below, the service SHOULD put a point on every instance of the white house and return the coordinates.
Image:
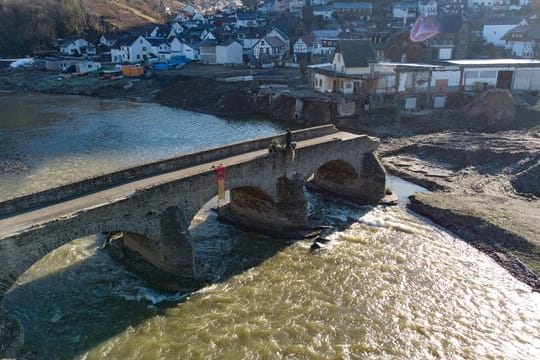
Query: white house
(131, 50)
(160, 48)
(302, 47)
(182, 48)
(350, 68)
(523, 40)
(109, 40)
(207, 35)
(230, 52)
(275, 32)
(176, 30)
(404, 9)
(324, 41)
(269, 47)
(496, 27)
(246, 19)
(427, 7)
(76, 46)
(324, 11)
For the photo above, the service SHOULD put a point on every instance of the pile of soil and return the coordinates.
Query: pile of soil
(493, 110)
(210, 96)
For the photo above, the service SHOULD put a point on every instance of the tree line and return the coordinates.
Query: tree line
(30, 26)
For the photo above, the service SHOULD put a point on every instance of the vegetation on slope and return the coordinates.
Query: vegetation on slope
(29, 26)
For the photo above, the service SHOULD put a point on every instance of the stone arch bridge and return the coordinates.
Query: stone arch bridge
(155, 203)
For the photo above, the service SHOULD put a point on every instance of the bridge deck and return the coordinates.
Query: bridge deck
(19, 222)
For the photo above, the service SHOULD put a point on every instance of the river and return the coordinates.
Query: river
(388, 285)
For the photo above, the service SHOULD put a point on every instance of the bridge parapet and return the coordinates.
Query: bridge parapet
(101, 182)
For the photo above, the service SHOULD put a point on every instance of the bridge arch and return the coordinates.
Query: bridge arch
(22, 246)
(359, 177)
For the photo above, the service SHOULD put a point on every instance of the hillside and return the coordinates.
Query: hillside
(29, 25)
(123, 14)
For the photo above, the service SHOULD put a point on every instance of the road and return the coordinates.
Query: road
(26, 220)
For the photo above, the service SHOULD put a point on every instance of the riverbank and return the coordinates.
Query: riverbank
(485, 189)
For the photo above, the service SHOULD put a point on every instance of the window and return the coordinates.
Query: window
(138, 56)
(144, 48)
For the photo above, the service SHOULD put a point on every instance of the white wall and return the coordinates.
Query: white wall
(231, 54)
(492, 34)
(527, 79)
(483, 75)
(452, 76)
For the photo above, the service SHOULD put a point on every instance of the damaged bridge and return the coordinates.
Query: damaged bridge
(155, 203)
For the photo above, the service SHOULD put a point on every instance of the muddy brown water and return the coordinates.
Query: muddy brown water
(387, 285)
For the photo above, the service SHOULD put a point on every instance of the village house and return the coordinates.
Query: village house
(496, 27)
(76, 47)
(405, 11)
(324, 41)
(523, 40)
(451, 7)
(452, 43)
(131, 50)
(271, 47)
(160, 48)
(248, 37)
(275, 32)
(109, 40)
(229, 52)
(349, 71)
(427, 7)
(353, 10)
(302, 48)
(324, 12)
(182, 48)
(246, 19)
(398, 47)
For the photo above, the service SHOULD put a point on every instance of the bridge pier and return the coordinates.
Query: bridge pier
(253, 208)
(11, 336)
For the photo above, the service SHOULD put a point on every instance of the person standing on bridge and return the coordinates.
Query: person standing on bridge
(288, 141)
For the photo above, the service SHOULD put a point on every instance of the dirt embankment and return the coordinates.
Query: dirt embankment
(209, 96)
(486, 185)
(138, 89)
